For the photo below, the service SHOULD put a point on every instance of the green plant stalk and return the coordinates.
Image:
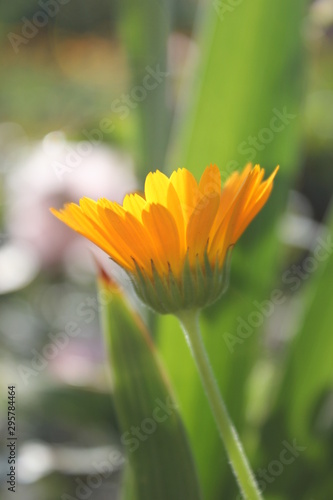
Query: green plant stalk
(240, 465)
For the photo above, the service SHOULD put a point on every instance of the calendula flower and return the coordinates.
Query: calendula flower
(173, 241)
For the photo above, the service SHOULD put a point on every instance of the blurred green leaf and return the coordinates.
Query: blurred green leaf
(249, 74)
(244, 107)
(309, 371)
(303, 408)
(145, 27)
(161, 462)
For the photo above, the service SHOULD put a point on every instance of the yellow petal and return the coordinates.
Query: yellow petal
(112, 205)
(159, 190)
(89, 208)
(156, 188)
(134, 204)
(187, 190)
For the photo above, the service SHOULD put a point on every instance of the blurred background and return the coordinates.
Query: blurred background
(93, 96)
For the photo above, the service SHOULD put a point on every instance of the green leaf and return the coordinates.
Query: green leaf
(155, 441)
(249, 76)
(309, 371)
(145, 27)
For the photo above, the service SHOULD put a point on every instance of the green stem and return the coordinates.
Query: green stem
(241, 468)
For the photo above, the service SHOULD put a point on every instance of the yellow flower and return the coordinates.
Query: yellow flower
(173, 241)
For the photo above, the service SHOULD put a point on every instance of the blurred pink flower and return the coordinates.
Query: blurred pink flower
(55, 171)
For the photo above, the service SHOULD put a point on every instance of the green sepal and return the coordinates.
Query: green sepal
(197, 287)
(188, 285)
(174, 289)
(201, 283)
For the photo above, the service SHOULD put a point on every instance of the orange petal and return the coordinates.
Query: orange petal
(164, 233)
(210, 181)
(128, 233)
(229, 191)
(73, 216)
(258, 199)
(226, 234)
(175, 208)
(221, 239)
(243, 199)
(200, 224)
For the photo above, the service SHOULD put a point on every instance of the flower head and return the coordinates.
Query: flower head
(174, 240)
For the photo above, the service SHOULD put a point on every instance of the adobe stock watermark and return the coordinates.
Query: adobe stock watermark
(293, 278)
(253, 143)
(104, 470)
(30, 28)
(224, 8)
(296, 274)
(131, 439)
(249, 148)
(121, 106)
(87, 310)
(277, 124)
(275, 468)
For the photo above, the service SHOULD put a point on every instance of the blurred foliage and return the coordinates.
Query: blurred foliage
(147, 48)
